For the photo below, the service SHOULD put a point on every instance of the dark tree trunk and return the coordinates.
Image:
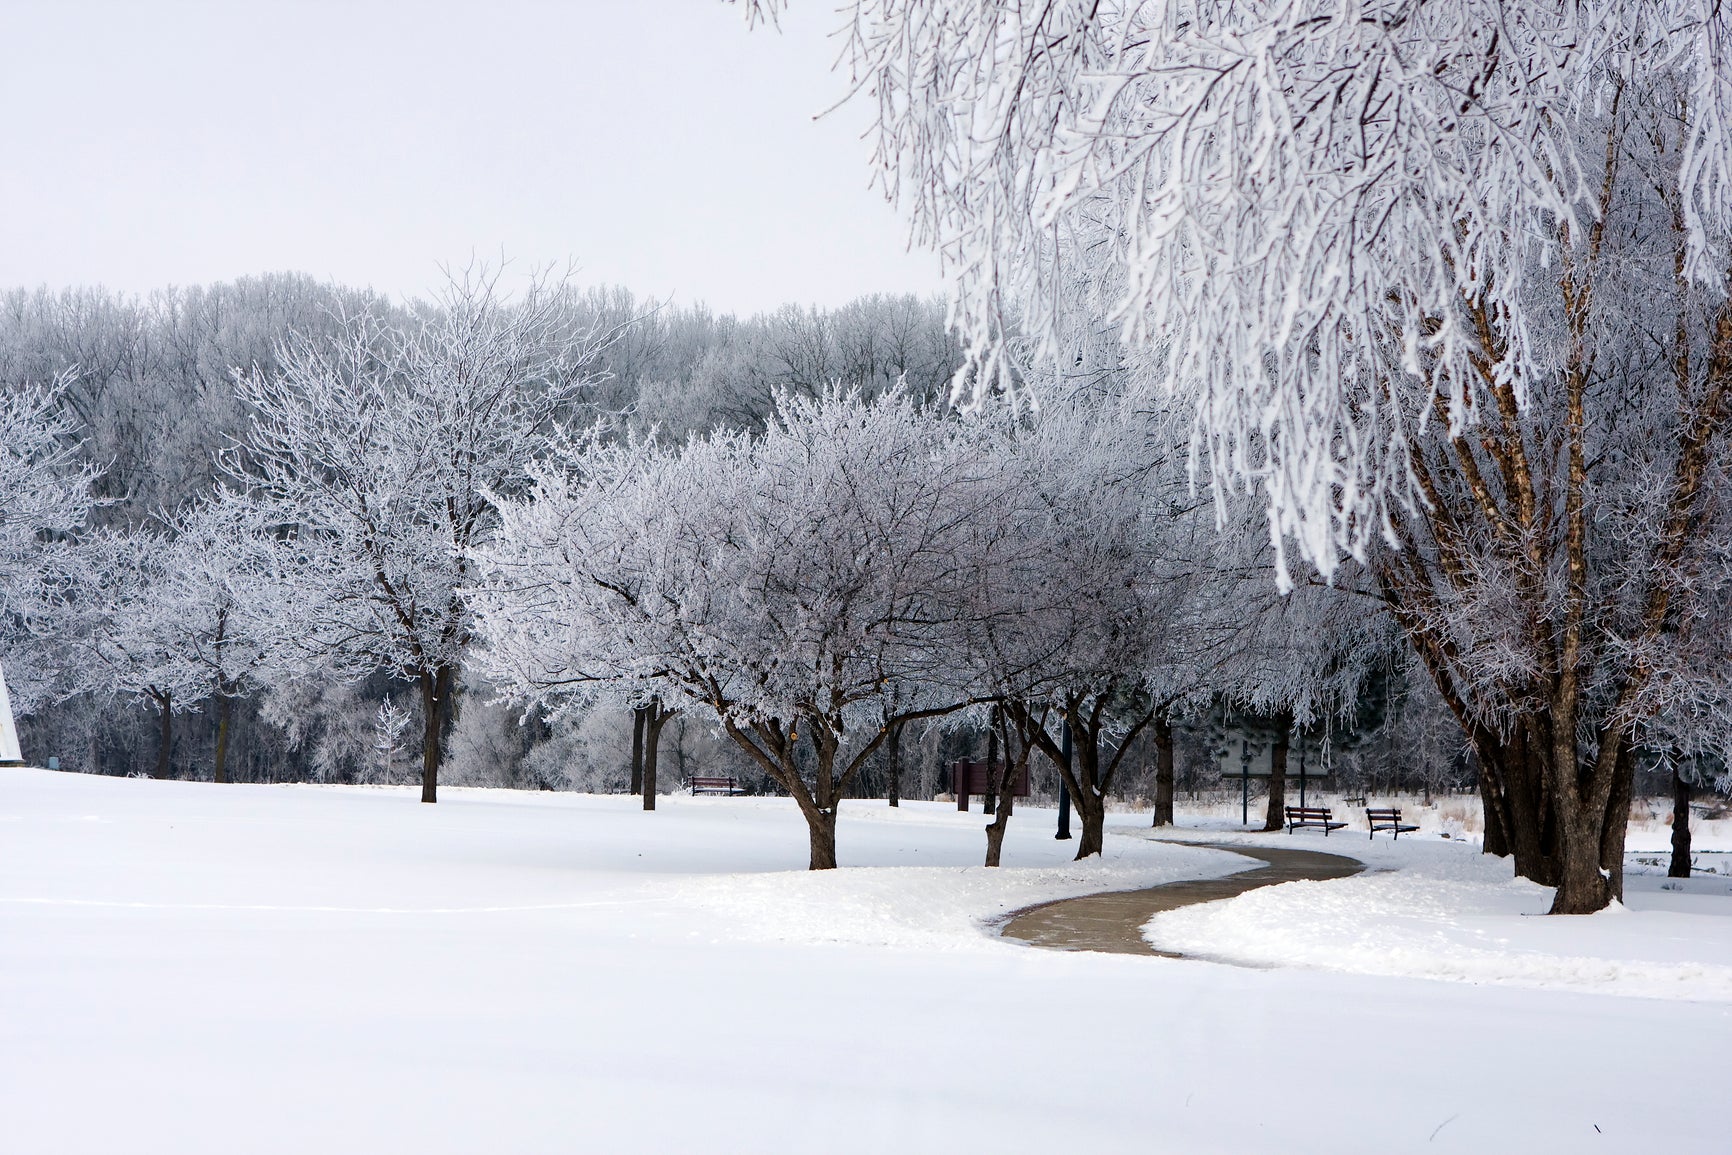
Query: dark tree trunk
(773, 747)
(637, 725)
(1163, 770)
(1520, 814)
(1003, 784)
(1275, 816)
(1083, 776)
(654, 719)
(1617, 823)
(821, 831)
(893, 760)
(1001, 787)
(1680, 865)
(1000, 823)
(1091, 812)
(1582, 888)
(165, 744)
(224, 702)
(1591, 809)
(438, 699)
(1496, 838)
(225, 713)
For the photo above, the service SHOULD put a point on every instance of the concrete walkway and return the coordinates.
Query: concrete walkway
(1113, 922)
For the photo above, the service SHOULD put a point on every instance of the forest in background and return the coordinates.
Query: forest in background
(151, 384)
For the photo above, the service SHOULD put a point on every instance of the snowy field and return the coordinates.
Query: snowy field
(192, 968)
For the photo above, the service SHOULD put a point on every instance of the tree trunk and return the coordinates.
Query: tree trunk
(654, 719)
(1495, 839)
(1617, 824)
(637, 723)
(893, 756)
(1163, 771)
(1275, 816)
(821, 830)
(1082, 775)
(438, 697)
(225, 710)
(166, 744)
(1091, 810)
(1680, 865)
(1582, 888)
(1003, 784)
(1000, 823)
(775, 749)
(1521, 817)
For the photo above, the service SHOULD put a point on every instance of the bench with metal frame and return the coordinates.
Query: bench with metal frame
(715, 785)
(1312, 818)
(1386, 818)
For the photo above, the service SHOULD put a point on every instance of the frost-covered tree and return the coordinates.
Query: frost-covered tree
(136, 640)
(218, 616)
(45, 493)
(1109, 599)
(1081, 598)
(389, 724)
(373, 454)
(1566, 578)
(1274, 200)
(172, 614)
(782, 583)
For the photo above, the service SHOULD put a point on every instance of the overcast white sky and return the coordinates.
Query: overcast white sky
(656, 142)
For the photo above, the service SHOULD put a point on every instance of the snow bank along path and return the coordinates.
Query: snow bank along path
(1440, 910)
(1114, 922)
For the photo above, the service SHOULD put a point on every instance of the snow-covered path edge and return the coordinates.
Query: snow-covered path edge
(946, 908)
(1430, 909)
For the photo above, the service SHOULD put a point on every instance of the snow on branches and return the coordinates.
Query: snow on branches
(861, 563)
(373, 453)
(787, 584)
(44, 491)
(1281, 206)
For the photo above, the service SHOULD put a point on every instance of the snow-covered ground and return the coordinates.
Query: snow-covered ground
(1436, 909)
(187, 967)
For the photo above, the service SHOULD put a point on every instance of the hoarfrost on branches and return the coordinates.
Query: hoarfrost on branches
(1281, 206)
(370, 459)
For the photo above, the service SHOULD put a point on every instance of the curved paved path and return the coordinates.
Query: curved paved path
(1114, 922)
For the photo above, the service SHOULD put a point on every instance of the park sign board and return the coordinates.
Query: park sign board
(1249, 755)
(973, 776)
(1243, 755)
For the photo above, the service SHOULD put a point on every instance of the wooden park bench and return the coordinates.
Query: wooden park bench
(1354, 800)
(1311, 817)
(722, 785)
(1386, 819)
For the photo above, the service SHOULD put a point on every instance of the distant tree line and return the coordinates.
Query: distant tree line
(147, 395)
